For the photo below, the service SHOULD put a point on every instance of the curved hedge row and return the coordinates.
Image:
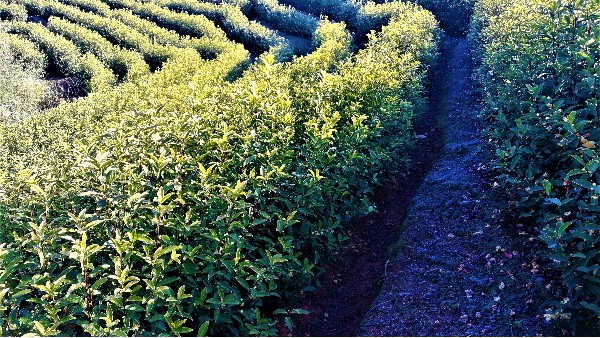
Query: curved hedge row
(189, 204)
(454, 15)
(361, 16)
(233, 21)
(125, 64)
(23, 91)
(338, 10)
(25, 51)
(112, 29)
(285, 18)
(10, 11)
(65, 55)
(540, 65)
(183, 23)
(207, 46)
(93, 6)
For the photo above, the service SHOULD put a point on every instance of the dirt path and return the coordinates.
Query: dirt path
(438, 259)
(456, 272)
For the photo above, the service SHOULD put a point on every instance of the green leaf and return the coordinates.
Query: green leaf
(98, 283)
(181, 293)
(592, 307)
(561, 227)
(36, 188)
(547, 186)
(300, 312)
(163, 251)
(289, 323)
(96, 222)
(576, 172)
(20, 293)
(118, 333)
(203, 329)
(583, 183)
(89, 193)
(40, 328)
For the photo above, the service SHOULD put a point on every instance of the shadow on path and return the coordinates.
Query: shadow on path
(456, 272)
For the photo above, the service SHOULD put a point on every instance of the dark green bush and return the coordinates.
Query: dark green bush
(540, 64)
(454, 15)
(285, 18)
(234, 22)
(115, 31)
(25, 52)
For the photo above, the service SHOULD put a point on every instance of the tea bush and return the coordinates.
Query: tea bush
(24, 51)
(113, 30)
(65, 55)
(361, 16)
(540, 64)
(454, 15)
(189, 204)
(23, 92)
(233, 21)
(12, 12)
(124, 63)
(93, 6)
(285, 18)
(207, 47)
(338, 10)
(183, 23)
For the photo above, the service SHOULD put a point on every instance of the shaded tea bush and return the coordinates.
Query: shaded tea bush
(454, 15)
(540, 63)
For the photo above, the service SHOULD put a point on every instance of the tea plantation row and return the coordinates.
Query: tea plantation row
(192, 191)
(540, 68)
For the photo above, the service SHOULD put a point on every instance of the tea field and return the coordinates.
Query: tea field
(191, 167)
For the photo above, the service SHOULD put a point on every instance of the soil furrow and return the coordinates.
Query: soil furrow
(456, 271)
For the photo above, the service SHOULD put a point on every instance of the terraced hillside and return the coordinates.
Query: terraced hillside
(204, 167)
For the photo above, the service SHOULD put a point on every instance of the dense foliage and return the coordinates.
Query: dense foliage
(23, 92)
(200, 198)
(540, 67)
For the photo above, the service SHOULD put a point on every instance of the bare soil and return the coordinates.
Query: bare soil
(439, 259)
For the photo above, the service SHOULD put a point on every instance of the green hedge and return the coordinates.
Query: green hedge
(65, 55)
(112, 29)
(207, 47)
(93, 6)
(454, 15)
(285, 18)
(187, 204)
(24, 51)
(10, 11)
(125, 64)
(23, 92)
(233, 21)
(540, 64)
(338, 10)
(183, 23)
